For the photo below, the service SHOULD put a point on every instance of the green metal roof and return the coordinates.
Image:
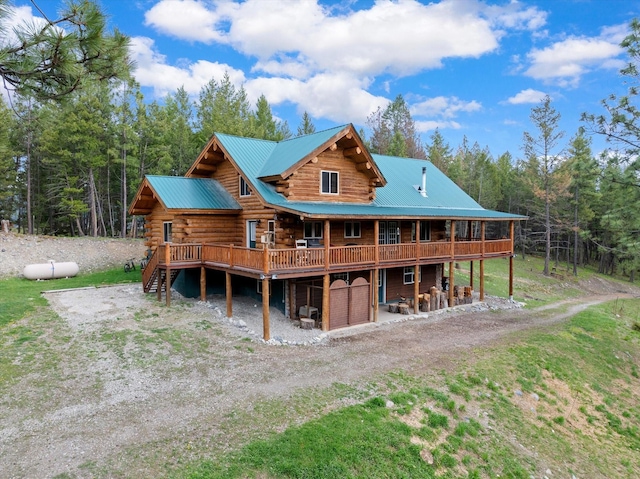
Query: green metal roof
(350, 210)
(398, 198)
(177, 192)
(260, 158)
(287, 153)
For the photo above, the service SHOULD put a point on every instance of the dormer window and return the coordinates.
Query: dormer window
(329, 182)
(244, 188)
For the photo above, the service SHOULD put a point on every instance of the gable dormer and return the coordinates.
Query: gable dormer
(338, 168)
(207, 161)
(332, 165)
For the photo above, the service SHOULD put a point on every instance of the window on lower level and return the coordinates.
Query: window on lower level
(408, 275)
(343, 276)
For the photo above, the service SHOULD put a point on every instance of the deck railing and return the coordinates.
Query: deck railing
(439, 249)
(248, 258)
(276, 260)
(284, 259)
(467, 248)
(397, 252)
(346, 255)
(180, 253)
(500, 246)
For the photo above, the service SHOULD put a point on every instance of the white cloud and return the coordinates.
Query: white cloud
(288, 68)
(515, 17)
(444, 107)
(20, 18)
(337, 97)
(566, 61)
(527, 96)
(430, 125)
(153, 71)
(185, 19)
(397, 37)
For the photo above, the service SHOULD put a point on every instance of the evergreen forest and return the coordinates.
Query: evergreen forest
(70, 163)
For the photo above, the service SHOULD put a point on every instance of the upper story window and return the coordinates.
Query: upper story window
(352, 229)
(329, 183)
(244, 188)
(425, 231)
(313, 229)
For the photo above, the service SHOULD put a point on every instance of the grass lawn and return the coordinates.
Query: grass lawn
(530, 285)
(565, 400)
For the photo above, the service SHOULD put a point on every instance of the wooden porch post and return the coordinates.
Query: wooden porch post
(482, 239)
(228, 294)
(159, 284)
(327, 245)
(481, 280)
(374, 284)
(416, 272)
(167, 287)
(325, 302)
(203, 283)
(376, 241)
(451, 263)
(470, 235)
(511, 235)
(292, 300)
(266, 333)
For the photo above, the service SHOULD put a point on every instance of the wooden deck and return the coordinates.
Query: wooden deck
(335, 258)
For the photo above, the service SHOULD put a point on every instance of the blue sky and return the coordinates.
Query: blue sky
(468, 67)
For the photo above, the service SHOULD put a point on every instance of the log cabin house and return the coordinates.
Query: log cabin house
(315, 226)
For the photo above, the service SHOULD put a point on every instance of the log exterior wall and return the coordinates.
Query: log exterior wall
(397, 289)
(305, 183)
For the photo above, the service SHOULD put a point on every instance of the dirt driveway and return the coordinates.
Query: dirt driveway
(117, 385)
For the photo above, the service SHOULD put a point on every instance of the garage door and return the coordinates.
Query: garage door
(349, 304)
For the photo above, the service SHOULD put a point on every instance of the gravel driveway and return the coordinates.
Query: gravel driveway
(114, 384)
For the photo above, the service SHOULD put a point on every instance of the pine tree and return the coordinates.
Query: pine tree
(306, 126)
(543, 161)
(54, 58)
(264, 126)
(439, 152)
(394, 132)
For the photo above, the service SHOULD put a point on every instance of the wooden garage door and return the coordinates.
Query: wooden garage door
(359, 302)
(349, 305)
(338, 304)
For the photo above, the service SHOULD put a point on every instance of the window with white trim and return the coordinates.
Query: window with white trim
(244, 188)
(167, 228)
(425, 231)
(409, 276)
(352, 229)
(312, 229)
(329, 182)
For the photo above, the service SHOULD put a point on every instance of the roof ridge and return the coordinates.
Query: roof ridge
(339, 127)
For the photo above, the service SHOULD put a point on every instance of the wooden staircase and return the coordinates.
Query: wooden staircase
(151, 274)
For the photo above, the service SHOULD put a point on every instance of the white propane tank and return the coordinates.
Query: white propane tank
(51, 270)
